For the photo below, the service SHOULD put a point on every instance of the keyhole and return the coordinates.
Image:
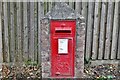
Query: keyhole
(57, 73)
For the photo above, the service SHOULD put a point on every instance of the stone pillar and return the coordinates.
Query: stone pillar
(62, 11)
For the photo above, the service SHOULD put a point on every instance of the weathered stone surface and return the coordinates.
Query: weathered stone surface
(62, 11)
(45, 48)
(80, 49)
(45, 75)
(46, 67)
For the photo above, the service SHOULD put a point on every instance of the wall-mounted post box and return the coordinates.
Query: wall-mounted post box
(63, 43)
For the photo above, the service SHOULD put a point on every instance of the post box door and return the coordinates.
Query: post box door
(62, 48)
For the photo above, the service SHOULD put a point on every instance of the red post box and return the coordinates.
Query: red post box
(63, 42)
